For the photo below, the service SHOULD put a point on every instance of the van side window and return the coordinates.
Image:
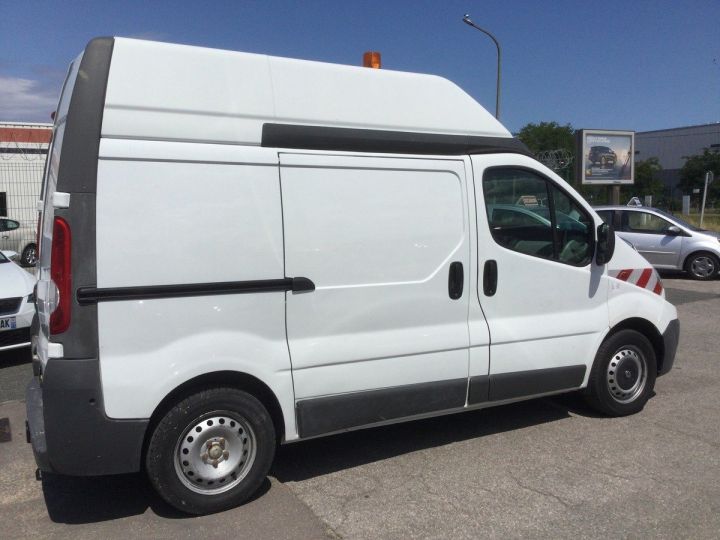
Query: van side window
(529, 214)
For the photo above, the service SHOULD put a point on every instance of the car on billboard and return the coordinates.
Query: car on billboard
(602, 155)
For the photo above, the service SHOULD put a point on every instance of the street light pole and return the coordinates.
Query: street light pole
(467, 20)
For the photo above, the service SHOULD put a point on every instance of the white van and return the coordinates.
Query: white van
(374, 247)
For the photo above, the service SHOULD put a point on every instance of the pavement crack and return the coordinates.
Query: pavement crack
(542, 493)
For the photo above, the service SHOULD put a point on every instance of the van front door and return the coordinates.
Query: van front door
(543, 297)
(384, 333)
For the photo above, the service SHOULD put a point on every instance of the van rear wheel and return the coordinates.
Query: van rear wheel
(623, 374)
(211, 451)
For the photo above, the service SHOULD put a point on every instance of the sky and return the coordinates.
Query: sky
(633, 64)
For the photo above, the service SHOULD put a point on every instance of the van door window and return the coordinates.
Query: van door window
(529, 214)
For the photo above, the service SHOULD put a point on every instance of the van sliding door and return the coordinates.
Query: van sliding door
(384, 333)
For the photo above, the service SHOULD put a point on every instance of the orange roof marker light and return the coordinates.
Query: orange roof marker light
(371, 59)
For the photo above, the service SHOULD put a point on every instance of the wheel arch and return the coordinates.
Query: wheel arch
(647, 329)
(229, 379)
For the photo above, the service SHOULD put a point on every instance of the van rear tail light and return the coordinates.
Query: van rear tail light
(61, 275)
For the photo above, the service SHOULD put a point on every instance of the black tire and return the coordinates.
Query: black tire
(702, 266)
(29, 257)
(235, 471)
(623, 374)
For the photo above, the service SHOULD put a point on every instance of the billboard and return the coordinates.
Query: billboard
(606, 157)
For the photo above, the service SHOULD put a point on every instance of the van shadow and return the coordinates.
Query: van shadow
(77, 500)
(308, 459)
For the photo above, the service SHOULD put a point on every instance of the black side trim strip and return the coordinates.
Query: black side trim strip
(334, 413)
(536, 381)
(382, 141)
(92, 295)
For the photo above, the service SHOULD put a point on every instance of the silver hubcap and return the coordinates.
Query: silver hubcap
(626, 375)
(215, 453)
(703, 266)
(31, 256)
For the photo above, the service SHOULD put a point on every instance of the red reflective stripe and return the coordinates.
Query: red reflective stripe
(644, 278)
(623, 275)
(658, 287)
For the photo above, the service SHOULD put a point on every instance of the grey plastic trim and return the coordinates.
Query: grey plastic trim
(77, 175)
(537, 381)
(671, 339)
(317, 416)
(382, 141)
(479, 389)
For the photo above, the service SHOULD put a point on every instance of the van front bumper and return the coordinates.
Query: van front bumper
(671, 338)
(67, 426)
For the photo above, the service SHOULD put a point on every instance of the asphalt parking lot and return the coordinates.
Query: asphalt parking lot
(548, 468)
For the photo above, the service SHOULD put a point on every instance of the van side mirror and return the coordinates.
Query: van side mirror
(605, 246)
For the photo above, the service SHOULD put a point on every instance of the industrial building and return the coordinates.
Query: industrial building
(670, 146)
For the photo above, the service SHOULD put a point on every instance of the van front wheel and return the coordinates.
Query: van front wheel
(623, 374)
(211, 451)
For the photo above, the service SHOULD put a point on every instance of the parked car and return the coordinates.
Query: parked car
(17, 303)
(19, 237)
(602, 155)
(667, 241)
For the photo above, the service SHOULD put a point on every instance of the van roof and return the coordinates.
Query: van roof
(164, 91)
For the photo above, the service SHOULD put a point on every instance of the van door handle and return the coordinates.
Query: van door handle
(456, 279)
(490, 277)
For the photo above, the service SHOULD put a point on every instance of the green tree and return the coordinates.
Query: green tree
(548, 136)
(692, 174)
(647, 182)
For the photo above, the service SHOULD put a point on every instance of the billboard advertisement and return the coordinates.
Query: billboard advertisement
(606, 157)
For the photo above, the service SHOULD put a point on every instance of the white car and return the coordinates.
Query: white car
(17, 303)
(19, 236)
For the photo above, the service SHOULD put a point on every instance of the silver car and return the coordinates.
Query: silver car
(665, 240)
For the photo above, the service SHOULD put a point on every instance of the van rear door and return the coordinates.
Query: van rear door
(386, 243)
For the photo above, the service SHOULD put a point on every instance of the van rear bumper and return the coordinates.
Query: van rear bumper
(67, 426)
(671, 338)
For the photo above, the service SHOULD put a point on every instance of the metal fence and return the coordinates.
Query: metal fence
(20, 183)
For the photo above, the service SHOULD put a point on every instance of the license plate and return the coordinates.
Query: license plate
(8, 324)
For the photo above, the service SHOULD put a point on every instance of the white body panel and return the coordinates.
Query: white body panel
(223, 201)
(376, 236)
(228, 208)
(174, 92)
(626, 300)
(150, 347)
